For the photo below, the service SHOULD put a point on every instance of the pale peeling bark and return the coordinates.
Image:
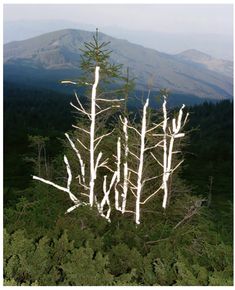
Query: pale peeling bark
(141, 163)
(118, 162)
(164, 178)
(92, 137)
(168, 151)
(125, 166)
(82, 165)
(105, 200)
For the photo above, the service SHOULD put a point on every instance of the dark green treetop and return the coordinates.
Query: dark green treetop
(95, 53)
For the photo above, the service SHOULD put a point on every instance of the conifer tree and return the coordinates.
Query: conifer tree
(96, 53)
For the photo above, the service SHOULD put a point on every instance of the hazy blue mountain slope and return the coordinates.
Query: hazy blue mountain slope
(224, 67)
(218, 45)
(56, 55)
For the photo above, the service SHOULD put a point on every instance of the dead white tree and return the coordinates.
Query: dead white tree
(118, 171)
(173, 133)
(122, 181)
(137, 188)
(120, 177)
(168, 133)
(87, 180)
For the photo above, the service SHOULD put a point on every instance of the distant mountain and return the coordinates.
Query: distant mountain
(217, 45)
(218, 65)
(24, 29)
(48, 58)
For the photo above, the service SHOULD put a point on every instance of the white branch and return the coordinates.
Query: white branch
(81, 129)
(80, 142)
(107, 167)
(129, 211)
(185, 120)
(133, 192)
(174, 125)
(179, 135)
(80, 110)
(97, 163)
(69, 180)
(104, 110)
(176, 152)
(160, 135)
(151, 178)
(155, 158)
(99, 139)
(130, 127)
(82, 184)
(98, 106)
(75, 206)
(143, 202)
(177, 166)
(179, 119)
(132, 184)
(155, 127)
(65, 189)
(110, 100)
(72, 197)
(134, 155)
(80, 104)
(82, 165)
(133, 171)
(152, 147)
(68, 82)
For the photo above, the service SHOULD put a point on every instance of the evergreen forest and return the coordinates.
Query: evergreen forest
(190, 243)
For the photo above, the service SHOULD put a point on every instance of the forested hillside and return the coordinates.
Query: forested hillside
(36, 227)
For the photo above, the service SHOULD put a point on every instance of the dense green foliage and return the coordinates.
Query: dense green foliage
(44, 247)
(83, 249)
(208, 162)
(95, 53)
(211, 145)
(28, 112)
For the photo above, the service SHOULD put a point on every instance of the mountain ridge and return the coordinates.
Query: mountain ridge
(60, 50)
(218, 45)
(222, 66)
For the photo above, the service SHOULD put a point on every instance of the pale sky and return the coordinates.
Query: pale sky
(166, 18)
